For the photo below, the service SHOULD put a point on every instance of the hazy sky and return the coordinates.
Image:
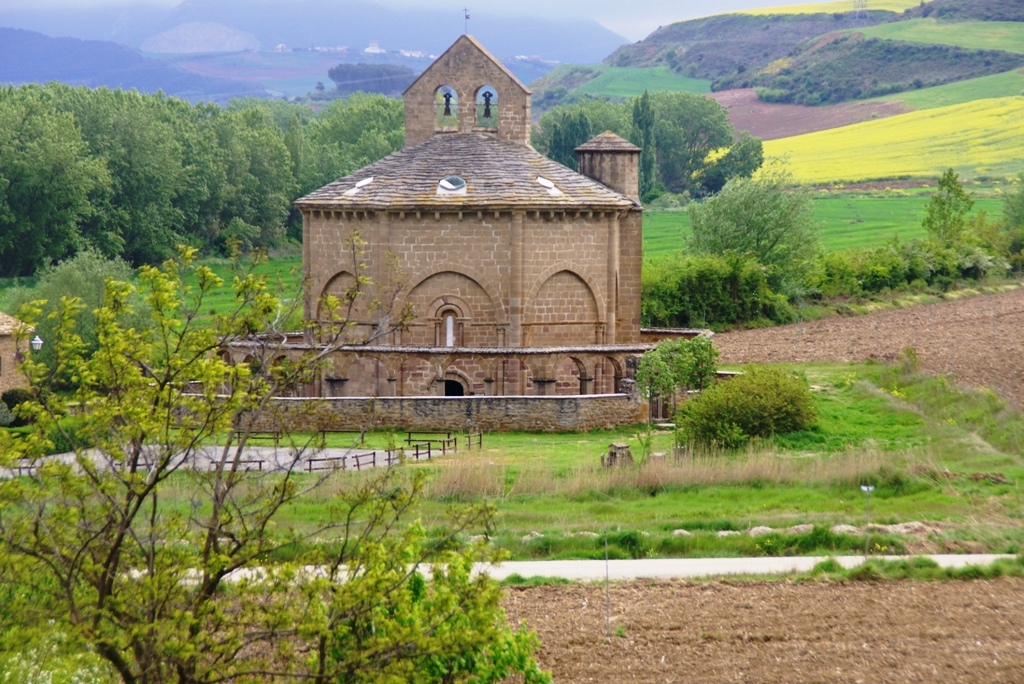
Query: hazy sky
(633, 19)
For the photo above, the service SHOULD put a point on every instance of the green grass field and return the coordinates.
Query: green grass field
(622, 82)
(1007, 84)
(879, 425)
(847, 221)
(974, 35)
(978, 139)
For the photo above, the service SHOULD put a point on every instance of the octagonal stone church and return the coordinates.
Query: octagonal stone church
(520, 276)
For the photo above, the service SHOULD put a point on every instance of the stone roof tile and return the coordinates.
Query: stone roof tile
(8, 324)
(498, 174)
(607, 142)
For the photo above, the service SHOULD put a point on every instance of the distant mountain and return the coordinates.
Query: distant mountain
(305, 23)
(30, 57)
(200, 37)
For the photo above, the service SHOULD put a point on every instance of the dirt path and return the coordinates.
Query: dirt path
(978, 340)
(779, 631)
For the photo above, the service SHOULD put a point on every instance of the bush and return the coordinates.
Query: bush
(13, 398)
(6, 417)
(762, 402)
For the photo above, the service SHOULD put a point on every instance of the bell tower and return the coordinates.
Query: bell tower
(467, 90)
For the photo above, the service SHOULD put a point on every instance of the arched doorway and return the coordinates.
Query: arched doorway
(454, 388)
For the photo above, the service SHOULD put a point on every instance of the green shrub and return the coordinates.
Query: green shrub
(13, 398)
(6, 417)
(762, 402)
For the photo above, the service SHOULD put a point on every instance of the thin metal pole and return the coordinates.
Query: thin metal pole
(867, 522)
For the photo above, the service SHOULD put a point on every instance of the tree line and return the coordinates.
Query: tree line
(133, 175)
(689, 146)
(754, 255)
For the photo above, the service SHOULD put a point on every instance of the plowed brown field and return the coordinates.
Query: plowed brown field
(773, 121)
(978, 340)
(779, 631)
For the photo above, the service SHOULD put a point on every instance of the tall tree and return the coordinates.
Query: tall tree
(688, 128)
(47, 179)
(765, 216)
(643, 137)
(946, 211)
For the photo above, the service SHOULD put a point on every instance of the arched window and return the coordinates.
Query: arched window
(449, 329)
(487, 107)
(446, 100)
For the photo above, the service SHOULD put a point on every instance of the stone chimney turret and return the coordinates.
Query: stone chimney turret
(613, 162)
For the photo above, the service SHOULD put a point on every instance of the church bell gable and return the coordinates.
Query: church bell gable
(467, 90)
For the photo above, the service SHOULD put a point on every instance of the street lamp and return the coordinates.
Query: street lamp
(36, 343)
(867, 489)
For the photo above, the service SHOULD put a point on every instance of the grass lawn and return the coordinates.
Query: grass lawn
(974, 35)
(847, 221)
(916, 438)
(622, 82)
(1006, 84)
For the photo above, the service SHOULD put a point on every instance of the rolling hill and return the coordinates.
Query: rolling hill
(29, 57)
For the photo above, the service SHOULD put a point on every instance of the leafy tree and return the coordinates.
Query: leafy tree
(1013, 204)
(677, 365)
(764, 216)
(567, 133)
(688, 128)
(947, 209)
(163, 591)
(46, 180)
(643, 137)
(740, 161)
(83, 276)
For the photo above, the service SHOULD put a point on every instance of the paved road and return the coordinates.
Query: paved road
(683, 568)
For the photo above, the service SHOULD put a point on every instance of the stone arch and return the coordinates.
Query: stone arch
(339, 285)
(563, 312)
(487, 103)
(489, 285)
(546, 274)
(452, 374)
(459, 293)
(446, 102)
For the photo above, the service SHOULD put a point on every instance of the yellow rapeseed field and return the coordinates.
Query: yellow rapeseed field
(830, 7)
(980, 138)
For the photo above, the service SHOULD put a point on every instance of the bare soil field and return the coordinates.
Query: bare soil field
(671, 632)
(978, 340)
(773, 121)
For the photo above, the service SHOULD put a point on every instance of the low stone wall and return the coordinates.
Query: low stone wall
(506, 413)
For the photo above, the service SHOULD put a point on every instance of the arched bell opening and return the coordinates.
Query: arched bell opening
(487, 107)
(446, 102)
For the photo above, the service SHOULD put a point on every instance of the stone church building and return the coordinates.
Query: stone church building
(518, 275)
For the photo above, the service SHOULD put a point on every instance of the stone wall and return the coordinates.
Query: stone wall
(465, 68)
(9, 375)
(536, 414)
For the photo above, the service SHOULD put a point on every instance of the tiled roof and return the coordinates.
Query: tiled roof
(607, 141)
(497, 174)
(8, 324)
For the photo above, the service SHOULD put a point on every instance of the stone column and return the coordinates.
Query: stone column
(613, 278)
(516, 303)
(307, 300)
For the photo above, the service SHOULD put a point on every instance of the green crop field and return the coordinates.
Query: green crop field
(620, 82)
(975, 35)
(1007, 84)
(977, 139)
(847, 221)
(833, 7)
